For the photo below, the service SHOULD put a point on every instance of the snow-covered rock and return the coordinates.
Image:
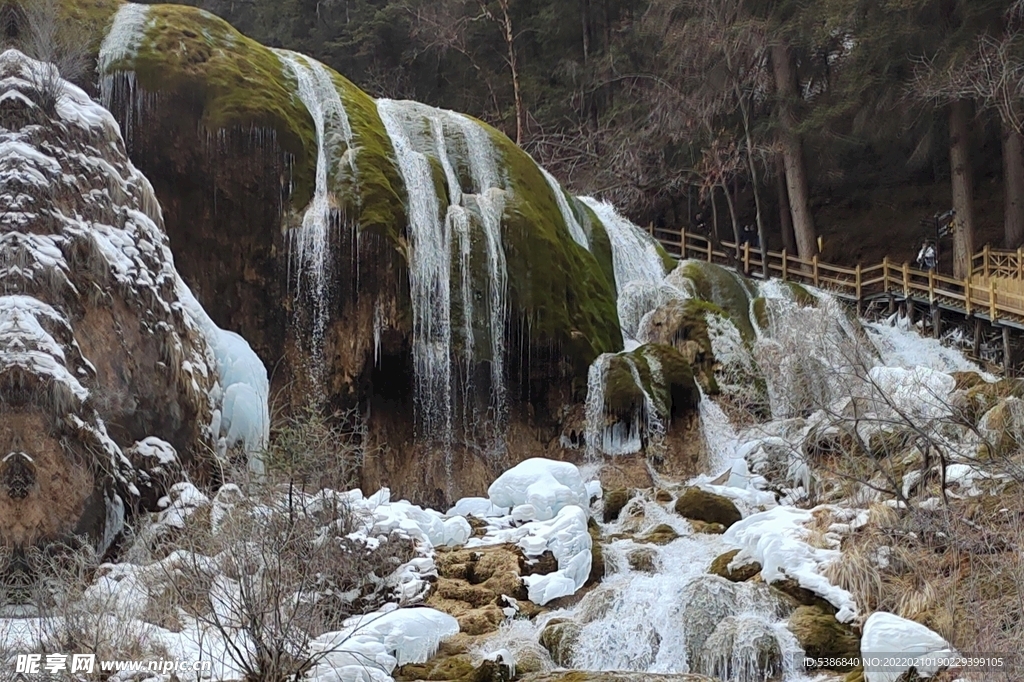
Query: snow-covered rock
(777, 540)
(887, 636)
(538, 488)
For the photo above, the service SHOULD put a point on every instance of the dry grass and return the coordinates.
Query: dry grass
(963, 578)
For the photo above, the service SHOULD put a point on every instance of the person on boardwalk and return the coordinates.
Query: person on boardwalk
(927, 257)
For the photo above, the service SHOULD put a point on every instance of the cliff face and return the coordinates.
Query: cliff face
(97, 351)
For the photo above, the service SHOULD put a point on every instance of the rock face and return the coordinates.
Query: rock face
(701, 505)
(410, 262)
(99, 357)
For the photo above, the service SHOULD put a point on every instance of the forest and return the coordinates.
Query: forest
(853, 120)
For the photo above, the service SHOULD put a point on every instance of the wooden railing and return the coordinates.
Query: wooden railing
(991, 262)
(979, 295)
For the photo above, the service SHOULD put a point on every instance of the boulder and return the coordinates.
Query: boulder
(614, 501)
(662, 534)
(597, 567)
(746, 571)
(559, 637)
(454, 668)
(598, 676)
(700, 505)
(1002, 427)
(822, 636)
(643, 559)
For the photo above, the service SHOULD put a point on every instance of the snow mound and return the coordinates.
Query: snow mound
(477, 506)
(368, 648)
(567, 538)
(537, 489)
(243, 390)
(776, 539)
(887, 636)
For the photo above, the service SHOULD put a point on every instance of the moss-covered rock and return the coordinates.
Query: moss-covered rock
(662, 534)
(705, 528)
(559, 637)
(643, 559)
(822, 636)
(614, 501)
(791, 592)
(701, 505)
(456, 668)
(665, 377)
(724, 288)
(720, 567)
(683, 325)
(597, 567)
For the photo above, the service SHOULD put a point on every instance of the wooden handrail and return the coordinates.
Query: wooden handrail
(862, 281)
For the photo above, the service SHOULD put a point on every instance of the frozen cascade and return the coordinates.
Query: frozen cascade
(310, 243)
(676, 618)
(429, 280)
(458, 144)
(720, 437)
(635, 260)
(594, 408)
(575, 229)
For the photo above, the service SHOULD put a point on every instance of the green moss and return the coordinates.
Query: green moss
(675, 394)
(720, 567)
(760, 310)
(380, 194)
(597, 238)
(557, 286)
(822, 636)
(801, 295)
(662, 534)
(667, 260)
(90, 18)
(701, 505)
(195, 58)
(729, 291)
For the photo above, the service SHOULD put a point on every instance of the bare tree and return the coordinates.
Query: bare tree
(45, 37)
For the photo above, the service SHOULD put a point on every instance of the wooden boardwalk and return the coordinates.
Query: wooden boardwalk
(993, 293)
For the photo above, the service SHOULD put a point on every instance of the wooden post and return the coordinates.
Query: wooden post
(977, 337)
(936, 321)
(892, 303)
(859, 294)
(931, 287)
(709, 250)
(1020, 263)
(682, 242)
(885, 274)
(785, 265)
(984, 263)
(967, 295)
(746, 258)
(908, 307)
(1007, 351)
(814, 264)
(992, 300)
(906, 279)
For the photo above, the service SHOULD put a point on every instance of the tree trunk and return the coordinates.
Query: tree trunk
(793, 155)
(963, 187)
(510, 44)
(785, 216)
(1013, 187)
(732, 216)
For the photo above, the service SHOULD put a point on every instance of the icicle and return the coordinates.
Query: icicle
(575, 229)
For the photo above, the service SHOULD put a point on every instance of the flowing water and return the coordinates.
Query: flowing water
(310, 243)
(466, 240)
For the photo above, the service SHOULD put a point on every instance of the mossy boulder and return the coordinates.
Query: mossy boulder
(791, 592)
(614, 501)
(664, 376)
(705, 528)
(730, 292)
(644, 560)
(455, 668)
(662, 534)
(701, 505)
(559, 637)
(822, 636)
(746, 571)
(597, 567)
(683, 325)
